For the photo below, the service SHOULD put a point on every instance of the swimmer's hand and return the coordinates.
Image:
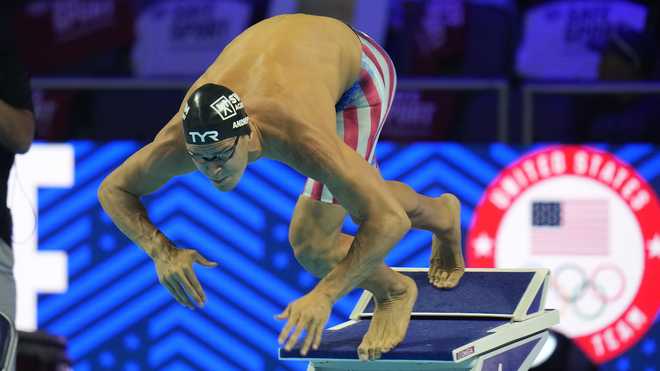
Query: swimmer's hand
(308, 313)
(175, 272)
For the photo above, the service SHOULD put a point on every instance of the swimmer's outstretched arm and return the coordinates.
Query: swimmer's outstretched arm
(382, 223)
(119, 194)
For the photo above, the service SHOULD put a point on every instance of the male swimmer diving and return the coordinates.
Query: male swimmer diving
(312, 93)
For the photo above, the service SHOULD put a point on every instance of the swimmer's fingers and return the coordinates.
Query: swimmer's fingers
(300, 324)
(182, 294)
(285, 313)
(203, 261)
(311, 332)
(284, 334)
(308, 313)
(317, 336)
(199, 291)
(313, 337)
(173, 287)
(182, 278)
(172, 291)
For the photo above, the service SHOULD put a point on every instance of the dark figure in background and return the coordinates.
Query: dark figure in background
(16, 134)
(628, 56)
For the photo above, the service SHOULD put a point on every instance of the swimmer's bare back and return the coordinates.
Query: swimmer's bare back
(289, 71)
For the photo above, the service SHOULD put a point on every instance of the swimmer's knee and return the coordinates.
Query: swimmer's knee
(307, 248)
(316, 255)
(313, 234)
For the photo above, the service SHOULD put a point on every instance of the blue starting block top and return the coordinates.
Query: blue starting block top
(489, 309)
(427, 339)
(515, 294)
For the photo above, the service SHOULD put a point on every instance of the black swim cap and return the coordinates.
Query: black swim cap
(213, 113)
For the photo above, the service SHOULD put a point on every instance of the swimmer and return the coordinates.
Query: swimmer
(312, 93)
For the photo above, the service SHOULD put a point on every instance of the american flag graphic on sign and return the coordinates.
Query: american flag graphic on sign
(570, 227)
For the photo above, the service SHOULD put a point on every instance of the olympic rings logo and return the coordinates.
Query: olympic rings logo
(588, 295)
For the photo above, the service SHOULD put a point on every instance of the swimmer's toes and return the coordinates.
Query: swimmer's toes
(454, 278)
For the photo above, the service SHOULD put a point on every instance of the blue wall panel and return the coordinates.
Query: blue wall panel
(116, 315)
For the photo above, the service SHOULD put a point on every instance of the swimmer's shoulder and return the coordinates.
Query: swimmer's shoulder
(172, 133)
(284, 134)
(169, 146)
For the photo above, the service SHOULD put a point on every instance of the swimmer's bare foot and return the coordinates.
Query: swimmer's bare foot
(447, 265)
(390, 321)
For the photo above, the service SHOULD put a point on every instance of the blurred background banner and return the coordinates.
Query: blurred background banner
(185, 34)
(591, 218)
(71, 33)
(516, 42)
(115, 315)
(561, 37)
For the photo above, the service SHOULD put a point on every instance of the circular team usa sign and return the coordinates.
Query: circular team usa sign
(591, 219)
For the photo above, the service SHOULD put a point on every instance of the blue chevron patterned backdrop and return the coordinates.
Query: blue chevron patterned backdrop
(117, 317)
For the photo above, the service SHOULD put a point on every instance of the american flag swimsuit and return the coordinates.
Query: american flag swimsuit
(362, 109)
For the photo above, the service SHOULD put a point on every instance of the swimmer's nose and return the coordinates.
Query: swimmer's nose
(213, 170)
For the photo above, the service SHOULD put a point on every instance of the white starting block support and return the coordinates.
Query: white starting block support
(494, 320)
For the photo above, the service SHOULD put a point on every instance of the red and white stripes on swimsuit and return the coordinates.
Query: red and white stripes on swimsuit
(362, 109)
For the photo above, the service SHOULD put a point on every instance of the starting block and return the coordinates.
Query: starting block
(494, 320)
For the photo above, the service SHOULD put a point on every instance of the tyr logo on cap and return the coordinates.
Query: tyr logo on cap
(211, 134)
(224, 107)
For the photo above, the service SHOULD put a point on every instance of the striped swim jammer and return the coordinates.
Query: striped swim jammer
(362, 109)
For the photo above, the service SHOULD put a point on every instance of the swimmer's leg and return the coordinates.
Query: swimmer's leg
(442, 216)
(319, 245)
